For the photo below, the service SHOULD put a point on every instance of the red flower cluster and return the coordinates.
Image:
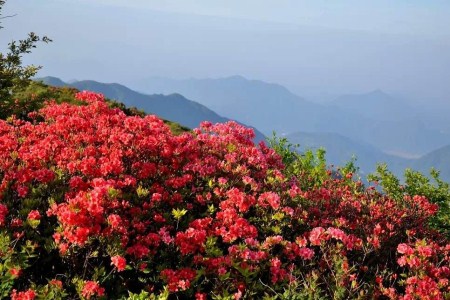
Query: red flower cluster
(34, 215)
(27, 295)
(92, 288)
(178, 280)
(119, 262)
(3, 213)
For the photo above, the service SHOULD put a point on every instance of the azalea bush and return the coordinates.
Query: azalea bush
(416, 183)
(97, 204)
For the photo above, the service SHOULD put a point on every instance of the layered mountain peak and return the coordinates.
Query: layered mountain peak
(378, 93)
(376, 105)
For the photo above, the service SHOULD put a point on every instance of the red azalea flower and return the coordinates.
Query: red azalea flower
(34, 215)
(119, 262)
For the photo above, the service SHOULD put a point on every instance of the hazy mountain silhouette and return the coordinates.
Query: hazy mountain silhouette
(376, 105)
(390, 124)
(264, 105)
(438, 159)
(53, 81)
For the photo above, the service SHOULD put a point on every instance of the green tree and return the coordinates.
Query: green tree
(14, 76)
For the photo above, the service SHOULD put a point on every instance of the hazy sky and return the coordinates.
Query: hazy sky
(430, 17)
(314, 47)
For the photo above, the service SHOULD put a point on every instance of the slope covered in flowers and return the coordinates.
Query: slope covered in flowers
(98, 204)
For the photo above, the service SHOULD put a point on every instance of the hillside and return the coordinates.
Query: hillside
(174, 107)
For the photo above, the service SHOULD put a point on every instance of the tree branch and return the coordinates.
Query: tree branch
(11, 16)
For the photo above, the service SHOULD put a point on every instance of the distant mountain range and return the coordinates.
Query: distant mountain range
(173, 107)
(269, 107)
(375, 118)
(390, 124)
